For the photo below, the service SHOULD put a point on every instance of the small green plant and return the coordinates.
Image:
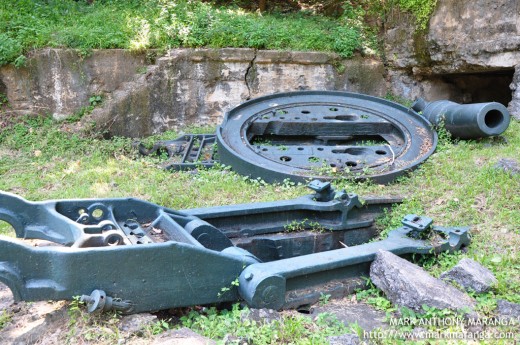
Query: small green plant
(95, 100)
(84, 327)
(5, 318)
(291, 329)
(445, 139)
(75, 307)
(3, 99)
(399, 99)
(20, 61)
(316, 226)
(225, 289)
(373, 296)
(295, 225)
(159, 327)
(324, 298)
(259, 141)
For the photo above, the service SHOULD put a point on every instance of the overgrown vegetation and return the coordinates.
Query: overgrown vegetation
(292, 329)
(164, 24)
(421, 10)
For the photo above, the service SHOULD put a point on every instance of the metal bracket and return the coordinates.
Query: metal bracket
(184, 153)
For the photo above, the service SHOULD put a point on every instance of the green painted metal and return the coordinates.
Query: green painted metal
(466, 121)
(324, 135)
(187, 152)
(135, 256)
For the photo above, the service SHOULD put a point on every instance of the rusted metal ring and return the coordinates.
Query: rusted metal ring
(324, 135)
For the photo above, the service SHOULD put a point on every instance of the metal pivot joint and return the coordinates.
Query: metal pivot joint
(98, 301)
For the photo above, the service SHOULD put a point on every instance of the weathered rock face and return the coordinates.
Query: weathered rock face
(198, 86)
(59, 81)
(508, 310)
(471, 275)
(183, 336)
(408, 285)
(514, 105)
(463, 36)
(479, 39)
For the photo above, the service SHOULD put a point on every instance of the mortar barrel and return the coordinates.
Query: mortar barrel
(465, 121)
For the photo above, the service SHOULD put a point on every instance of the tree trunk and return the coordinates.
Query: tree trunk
(262, 5)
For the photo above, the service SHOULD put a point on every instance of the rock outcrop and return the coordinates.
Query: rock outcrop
(408, 285)
(469, 45)
(471, 275)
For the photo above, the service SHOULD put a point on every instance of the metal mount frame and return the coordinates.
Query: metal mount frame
(135, 256)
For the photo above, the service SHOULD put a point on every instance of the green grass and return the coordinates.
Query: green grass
(292, 328)
(458, 185)
(165, 24)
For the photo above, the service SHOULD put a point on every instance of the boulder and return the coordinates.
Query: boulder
(508, 310)
(363, 314)
(471, 275)
(135, 323)
(408, 285)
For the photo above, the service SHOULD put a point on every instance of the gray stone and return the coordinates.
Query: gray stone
(349, 313)
(514, 105)
(408, 285)
(230, 339)
(508, 310)
(183, 336)
(471, 275)
(508, 165)
(261, 316)
(458, 38)
(135, 323)
(345, 339)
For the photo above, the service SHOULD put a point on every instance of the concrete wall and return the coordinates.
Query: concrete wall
(198, 86)
(187, 86)
(59, 82)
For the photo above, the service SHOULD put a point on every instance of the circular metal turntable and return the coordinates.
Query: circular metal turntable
(325, 135)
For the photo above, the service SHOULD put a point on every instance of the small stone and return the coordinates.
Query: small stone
(363, 314)
(471, 275)
(345, 339)
(136, 322)
(408, 285)
(230, 339)
(508, 310)
(261, 316)
(510, 166)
